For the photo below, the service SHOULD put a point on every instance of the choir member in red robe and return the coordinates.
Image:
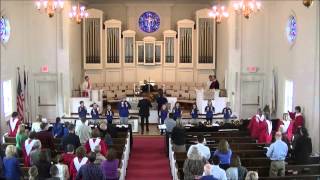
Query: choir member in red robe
(95, 141)
(77, 162)
(69, 155)
(254, 124)
(28, 146)
(297, 118)
(13, 124)
(285, 127)
(265, 131)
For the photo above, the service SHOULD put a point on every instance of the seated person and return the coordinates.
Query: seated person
(95, 141)
(224, 153)
(202, 148)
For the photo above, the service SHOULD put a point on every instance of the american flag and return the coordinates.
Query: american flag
(20, 99)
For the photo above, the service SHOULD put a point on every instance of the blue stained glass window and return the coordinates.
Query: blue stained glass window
(149, 22)
(292, 29)
(4, 29)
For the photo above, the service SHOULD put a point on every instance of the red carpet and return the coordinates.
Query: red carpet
(148, 160)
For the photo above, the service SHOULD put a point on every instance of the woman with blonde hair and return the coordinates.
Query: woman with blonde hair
(11, 164)
(21, 137)
(193, 166)
(252, 175)
(224, 153)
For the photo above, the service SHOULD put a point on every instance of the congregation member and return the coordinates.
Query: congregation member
(13, 124)
(96, 141)
(63, 170)
(170, 124)
(35, 153)
(28, 146)
(83, 131)
(194, 113)
(224, 153)
(109, 114)
(21, 137)
(178, 137)
(227, 112)
(252, 175)
(277, 153)
(302, 146)
(58, 129)
(163, 115)
(71, 139)
(236, 171)
(144, 106)
(86, 87)
(69, 155)
(11, 164)
(110, 166)
(123, 109)
(214, 83)
(99, 156)
(193, 165)
(209, 109)
(104, 132)
(54, 173)
(176, 111)
(66, 128)
(297, 118)
(45, 137)
(33, 173)
(207, 173)
(43, 166)
(254, 124)
(161, 100)
(82, 110)
(216, 171)
(77, 162)
(90, 170)
(202, 148)
(265, 131)
(36, 125)
(95, 112)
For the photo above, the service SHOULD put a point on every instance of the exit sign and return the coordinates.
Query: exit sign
(44, 69)
(252, 69)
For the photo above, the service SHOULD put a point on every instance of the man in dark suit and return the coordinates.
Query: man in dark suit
(144, 112)
(71, 138)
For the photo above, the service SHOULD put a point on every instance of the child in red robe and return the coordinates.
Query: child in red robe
(95, 141)
(13, 124)
(77, 162)
(254, 124)
(68, 156)
(297, 118)
(29, 145)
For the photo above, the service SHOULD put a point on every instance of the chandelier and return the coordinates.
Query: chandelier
(49, 6)
(78, 13)
(218, 12)
(307, 3)
(247, 7)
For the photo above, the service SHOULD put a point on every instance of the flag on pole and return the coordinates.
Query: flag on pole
(25, 93)
(20, 99)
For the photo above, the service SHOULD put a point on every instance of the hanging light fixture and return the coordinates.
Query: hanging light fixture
(49, 6)
(78, 13)
(219, 12)
(247, 7)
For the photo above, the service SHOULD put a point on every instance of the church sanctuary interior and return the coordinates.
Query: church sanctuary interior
(160, 89)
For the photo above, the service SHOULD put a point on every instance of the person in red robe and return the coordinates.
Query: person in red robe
(77, 162)
(29, 145)
(95, 141)
(298, 120)
(254, 124)
(285, 126)
(13, 124)
(265, 131)
(69, 155)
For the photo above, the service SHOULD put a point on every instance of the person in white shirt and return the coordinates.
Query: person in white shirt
(216, 171)
(63, 170)
(83, 131)
(202, 148)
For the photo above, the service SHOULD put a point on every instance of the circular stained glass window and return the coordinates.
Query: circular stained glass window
(149, 22)
(4, 30)
(292, 29)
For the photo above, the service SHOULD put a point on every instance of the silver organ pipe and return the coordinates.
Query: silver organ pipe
(205, 41)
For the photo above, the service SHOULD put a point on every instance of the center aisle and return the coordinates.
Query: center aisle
(148, 160)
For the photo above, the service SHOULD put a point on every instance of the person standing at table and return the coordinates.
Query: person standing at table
(82, 110)
(86, 87)
(277, 153)
(209, 112)
(144, 106)
(123, 108)
(94, 112)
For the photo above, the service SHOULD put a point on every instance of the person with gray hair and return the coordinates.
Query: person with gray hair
(252, 175)
(35, 153)
(193, 166)
(99, 156)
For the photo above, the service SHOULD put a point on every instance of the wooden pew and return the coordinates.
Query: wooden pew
(308, 169)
